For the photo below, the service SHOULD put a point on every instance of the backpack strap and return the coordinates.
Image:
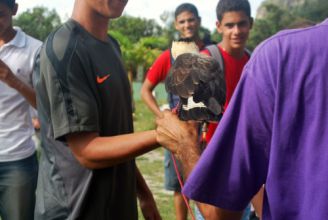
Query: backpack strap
(173, 100)
(216, 54)
(61, 66)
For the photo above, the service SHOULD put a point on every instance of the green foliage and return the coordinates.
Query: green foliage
(216, 37)
(149, 48)
(160, 43)
(151, 165)
(143, 54)
(276, 20)
(140, 54)
(38, 22)
(127, 50)
(141, 41)
(123, 40)
(135, 28)
(315, 11)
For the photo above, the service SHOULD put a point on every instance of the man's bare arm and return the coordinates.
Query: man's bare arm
(181, 138)
(7, 76)
(96, 152)
(146, 199)
(147, 96)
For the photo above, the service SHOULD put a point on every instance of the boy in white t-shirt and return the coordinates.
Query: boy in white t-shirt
(18, 162)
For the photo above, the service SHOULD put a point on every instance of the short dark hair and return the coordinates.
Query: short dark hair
(232, 5)
(186, 7)
(9, 3)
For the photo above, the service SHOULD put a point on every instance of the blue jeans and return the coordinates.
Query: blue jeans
(171, 181)
(17, 188)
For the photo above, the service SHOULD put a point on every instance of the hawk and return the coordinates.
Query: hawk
(199, 82)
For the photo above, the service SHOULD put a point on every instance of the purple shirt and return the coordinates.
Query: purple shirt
(274, 132)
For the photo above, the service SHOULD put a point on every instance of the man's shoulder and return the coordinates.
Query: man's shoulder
(163, 59)
(62, 33)
(166, 54)
(206, 49)
(25, 41)
(33, 42)
(158, 71)
(61, 40)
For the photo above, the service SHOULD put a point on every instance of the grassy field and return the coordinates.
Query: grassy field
(151, 165)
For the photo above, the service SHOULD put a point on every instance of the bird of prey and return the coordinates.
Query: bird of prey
(199, 82)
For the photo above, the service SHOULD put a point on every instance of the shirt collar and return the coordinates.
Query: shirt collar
(19, 40)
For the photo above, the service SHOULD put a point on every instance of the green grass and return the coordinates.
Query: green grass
(151, 164)
(159, 91)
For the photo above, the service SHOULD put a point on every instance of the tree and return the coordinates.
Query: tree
(315, 11)
(275, 20)
(38, 22)
(148, 49)
(216, 37)
(135, 28)
(140, 54)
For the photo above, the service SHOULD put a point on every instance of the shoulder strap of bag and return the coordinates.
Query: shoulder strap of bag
(216, 54)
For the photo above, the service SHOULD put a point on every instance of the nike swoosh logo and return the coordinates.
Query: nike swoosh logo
(101, 79)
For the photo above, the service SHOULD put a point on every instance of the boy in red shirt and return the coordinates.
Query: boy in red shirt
(234, 24)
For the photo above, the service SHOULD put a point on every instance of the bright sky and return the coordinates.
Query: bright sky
(140, 8)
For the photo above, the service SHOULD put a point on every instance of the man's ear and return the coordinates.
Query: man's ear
(218, 27)
(15, 9)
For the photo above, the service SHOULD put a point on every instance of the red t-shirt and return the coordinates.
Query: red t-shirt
(159, 70)
(232, 71)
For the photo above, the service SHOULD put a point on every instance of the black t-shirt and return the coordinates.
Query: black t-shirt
(81, 86)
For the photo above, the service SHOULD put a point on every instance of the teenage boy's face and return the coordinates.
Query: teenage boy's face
(6, 18)
(187, 24)
(234, 28)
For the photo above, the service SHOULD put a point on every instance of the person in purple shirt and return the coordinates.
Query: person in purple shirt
(274, 132)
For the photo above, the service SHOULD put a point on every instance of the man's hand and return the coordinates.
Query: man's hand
(6, 75)
(179, 137)
(175, 135)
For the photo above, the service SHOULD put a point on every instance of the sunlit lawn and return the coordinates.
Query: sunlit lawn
(151, 165)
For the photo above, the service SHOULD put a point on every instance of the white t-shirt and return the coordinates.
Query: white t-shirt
(16, 127)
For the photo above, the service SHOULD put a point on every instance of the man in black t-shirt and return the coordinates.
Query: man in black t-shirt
(87, 167)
